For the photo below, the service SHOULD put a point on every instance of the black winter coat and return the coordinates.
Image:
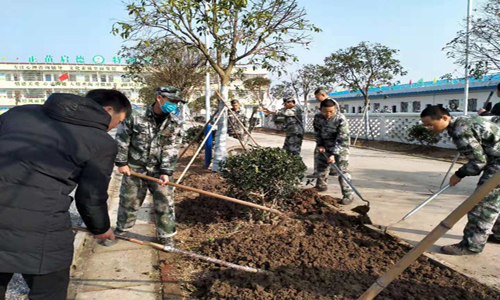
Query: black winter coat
(45, 152)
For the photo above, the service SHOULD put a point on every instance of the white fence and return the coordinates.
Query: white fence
(383, 126)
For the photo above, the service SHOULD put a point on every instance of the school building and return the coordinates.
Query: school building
(413, 98)
(32, 83)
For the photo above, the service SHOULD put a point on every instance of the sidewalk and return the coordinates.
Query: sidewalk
(122, 271)
(395, 184)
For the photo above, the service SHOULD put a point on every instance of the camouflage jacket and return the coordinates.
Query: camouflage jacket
(333, 134)
(477, 139)
(144, 144)
(293, 120)
(238, 130)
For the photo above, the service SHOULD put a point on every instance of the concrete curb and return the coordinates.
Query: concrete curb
(78, 245)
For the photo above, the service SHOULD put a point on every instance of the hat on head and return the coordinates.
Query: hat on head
(170, 92)
(286, 99)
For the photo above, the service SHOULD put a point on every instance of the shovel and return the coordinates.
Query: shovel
(274, 211)
(165, 248)
(362, 209)
(444, 188)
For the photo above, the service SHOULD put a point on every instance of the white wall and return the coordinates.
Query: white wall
(435, 99)
(384, 127)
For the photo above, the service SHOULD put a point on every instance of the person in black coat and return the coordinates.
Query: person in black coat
(45, 152)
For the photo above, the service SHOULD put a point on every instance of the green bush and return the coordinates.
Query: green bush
(191, 133)
(423, 135)
(263, 175)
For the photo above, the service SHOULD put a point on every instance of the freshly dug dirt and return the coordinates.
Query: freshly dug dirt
(330, 258)
(327, 255)
(308, 202)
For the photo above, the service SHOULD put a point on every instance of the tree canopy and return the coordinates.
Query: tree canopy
(363, 66)
(484, 41)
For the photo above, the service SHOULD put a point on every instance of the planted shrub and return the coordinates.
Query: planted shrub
(191, 133)
(263, 175)
(423, 135)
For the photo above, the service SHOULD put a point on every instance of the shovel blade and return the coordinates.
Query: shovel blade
(362, 209)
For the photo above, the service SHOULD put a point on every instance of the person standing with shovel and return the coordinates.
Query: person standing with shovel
(479, 141)
(148, 143)
(332, 138)
(320, 95)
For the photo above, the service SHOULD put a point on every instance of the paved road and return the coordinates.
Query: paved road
(395, 184)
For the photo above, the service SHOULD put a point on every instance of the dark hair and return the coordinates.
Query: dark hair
(498, 87)
(286, 99)
(113, 98)
(235, 101)
(434, 112)
(327, 103)
(318, 91)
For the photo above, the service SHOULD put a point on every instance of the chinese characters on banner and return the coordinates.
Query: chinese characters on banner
(76, 84)
(80, 59)
(71, 68)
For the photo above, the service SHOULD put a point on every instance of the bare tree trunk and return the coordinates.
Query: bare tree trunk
(306, 113)
(221, 134)
(367, 124)
(367, 118)
(360, 127)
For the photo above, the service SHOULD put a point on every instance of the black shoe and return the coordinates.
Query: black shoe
(321, 188)
(493, 239)
(347, 200)
(457, 249)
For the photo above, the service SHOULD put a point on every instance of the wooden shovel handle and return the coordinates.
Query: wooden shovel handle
(208, 193)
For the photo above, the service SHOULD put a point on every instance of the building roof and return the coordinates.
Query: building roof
(485, 83)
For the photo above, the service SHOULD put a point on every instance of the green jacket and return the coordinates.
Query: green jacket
(238, 130)
(293, 119)
(333, 134)
(144, 144)
(477, 139)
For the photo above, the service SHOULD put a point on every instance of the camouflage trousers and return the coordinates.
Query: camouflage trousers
(333, 172)
(323, 168)
(133, 191)
(293, 143)
(483, 219)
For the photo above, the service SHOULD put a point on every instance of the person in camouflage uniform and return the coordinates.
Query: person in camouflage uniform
(293, 123)
(320, 95)
(148, 143)
(479, 140)
(237, 131)
(332, 140)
